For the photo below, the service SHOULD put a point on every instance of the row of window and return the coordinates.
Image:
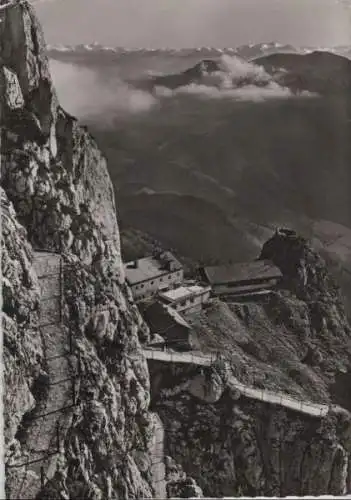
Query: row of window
(142, 285)
(190, 300)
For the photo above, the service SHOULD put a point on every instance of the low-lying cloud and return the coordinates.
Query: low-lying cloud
(90, 95)
(85, 94)
(239, 68)
(237, 80)
(247, 93)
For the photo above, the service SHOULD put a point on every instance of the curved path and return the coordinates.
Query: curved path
(277, 398)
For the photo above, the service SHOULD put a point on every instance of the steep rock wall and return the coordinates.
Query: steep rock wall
(57, 196)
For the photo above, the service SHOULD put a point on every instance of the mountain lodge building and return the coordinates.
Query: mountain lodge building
(244, 279)
(148, 275)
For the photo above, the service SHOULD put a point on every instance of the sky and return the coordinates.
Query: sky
(194, 23)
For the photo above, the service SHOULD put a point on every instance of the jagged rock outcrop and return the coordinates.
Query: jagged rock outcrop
(327, 338)
(57, 196)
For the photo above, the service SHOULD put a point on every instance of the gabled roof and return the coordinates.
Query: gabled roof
(161, 318)
(151, 267)
(246, 271)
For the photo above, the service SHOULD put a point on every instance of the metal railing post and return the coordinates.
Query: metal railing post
(74, 390)
(61, 291)
(79, 366)
(58, 436)
(42, 477)
(70, 340)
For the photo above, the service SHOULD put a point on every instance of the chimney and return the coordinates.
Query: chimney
(135, 264)
(171, 265)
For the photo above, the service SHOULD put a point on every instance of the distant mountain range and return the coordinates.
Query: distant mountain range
(316, 72)
(247, 51)
(319, 71)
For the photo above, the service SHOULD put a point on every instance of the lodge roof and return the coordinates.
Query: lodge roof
(161, 318)
(242, 272)
(151, 267)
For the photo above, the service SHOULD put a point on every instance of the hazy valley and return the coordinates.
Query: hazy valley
(210, 168)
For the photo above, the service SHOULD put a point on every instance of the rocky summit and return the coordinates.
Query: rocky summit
(87, 415)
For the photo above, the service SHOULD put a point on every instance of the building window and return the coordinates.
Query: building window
(152, 282)
(161, 279)
(141, 286)
(169, 276)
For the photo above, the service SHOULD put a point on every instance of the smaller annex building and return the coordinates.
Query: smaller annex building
(186, 299)
(167, 323)
(243, 279)
(148, 275)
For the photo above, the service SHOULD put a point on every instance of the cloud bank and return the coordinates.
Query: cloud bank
(86, 94)
(89, 95)
(237, 80)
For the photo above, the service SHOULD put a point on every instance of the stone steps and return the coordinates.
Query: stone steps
(56, 340)
(53, 414)
(62, 367)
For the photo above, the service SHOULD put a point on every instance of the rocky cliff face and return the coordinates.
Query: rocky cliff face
(57, 196)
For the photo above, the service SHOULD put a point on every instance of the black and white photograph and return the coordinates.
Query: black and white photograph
(176, 249)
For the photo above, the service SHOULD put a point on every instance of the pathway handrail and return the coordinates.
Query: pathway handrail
(273, 397)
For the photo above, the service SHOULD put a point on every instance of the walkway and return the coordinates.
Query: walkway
(52, 415)
(272, 397)
(279, 398)
(158, 469)
(180, 357)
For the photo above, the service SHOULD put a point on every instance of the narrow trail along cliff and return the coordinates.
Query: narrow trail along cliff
(158, 459)
(50, 418)
(277, 398)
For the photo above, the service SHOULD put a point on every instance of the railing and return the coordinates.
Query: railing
(29, 462)
(173, 357)
(157, 458)
(281, 399)
(272, 397)
(49, 268)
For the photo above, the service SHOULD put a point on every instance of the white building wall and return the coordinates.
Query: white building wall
(148, 288)
(193, 303)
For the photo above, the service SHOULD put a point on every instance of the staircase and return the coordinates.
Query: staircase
(51, 417)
